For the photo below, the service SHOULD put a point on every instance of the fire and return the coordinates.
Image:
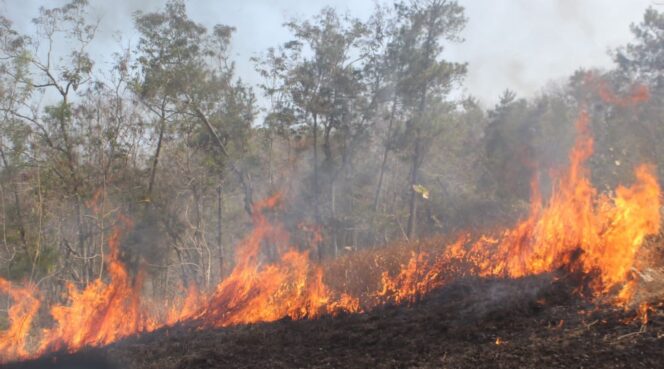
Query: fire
(187, 308)
(638, 94)
(642, 315)
(644, 309)
(102, 312)
(13, 340)
(292, 287)
(577, 229)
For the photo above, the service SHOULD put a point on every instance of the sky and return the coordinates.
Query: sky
(523, 45)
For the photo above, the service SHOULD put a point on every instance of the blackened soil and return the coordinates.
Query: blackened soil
(528, 323)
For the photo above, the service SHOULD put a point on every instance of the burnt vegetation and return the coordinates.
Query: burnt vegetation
(526, 323)
(392, 199)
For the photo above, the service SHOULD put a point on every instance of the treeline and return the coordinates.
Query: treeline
(360, 125)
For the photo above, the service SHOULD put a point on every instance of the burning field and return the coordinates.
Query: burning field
(378, 216)
(578, 280)
(476, 323)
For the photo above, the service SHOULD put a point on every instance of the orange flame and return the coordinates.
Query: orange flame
(102, 312)
(638, 95)
(292, 287)
(577, 229)
(21, 313)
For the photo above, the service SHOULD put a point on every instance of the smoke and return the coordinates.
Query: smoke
(477, 299)
(523, 44)
(575, 12)
(333, 195)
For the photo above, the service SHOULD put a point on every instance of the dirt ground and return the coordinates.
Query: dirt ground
(528, 323)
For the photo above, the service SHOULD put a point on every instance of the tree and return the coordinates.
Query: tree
(316, 82)
(643, 60)
(37, 66)
(186, 80)
(426, 79)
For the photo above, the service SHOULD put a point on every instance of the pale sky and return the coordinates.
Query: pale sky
(517, 44)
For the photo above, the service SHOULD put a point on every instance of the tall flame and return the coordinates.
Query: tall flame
(292, 287)
(102, 312)
(577, 229)
(21, 313)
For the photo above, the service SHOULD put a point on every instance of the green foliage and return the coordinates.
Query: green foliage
(643, 59)
(363, 131)
(26, 265)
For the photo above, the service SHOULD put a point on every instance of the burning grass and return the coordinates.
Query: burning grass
(578, 231)
(530, 322)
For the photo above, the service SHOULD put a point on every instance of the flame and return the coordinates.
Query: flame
(255, 291)
(292, 287)
(643, 311)
(21, 313)
(577, 229)
(642, 315)
(639, 94)
(188, 308)
(102, 312)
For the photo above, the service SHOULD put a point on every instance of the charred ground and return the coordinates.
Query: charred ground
(474, 323)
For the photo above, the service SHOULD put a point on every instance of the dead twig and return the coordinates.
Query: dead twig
(587, 326)
(632, 334)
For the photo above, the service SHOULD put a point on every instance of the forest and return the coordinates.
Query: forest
(358, 127)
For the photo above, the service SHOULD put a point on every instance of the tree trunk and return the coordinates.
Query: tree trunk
(155, 160)
(244, 180)
(386, 152)
(412, 206)
(17, 201)
(333, 190)
(220, 245)
(315, 167)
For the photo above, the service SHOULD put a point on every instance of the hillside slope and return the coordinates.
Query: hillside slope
(527, 323)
